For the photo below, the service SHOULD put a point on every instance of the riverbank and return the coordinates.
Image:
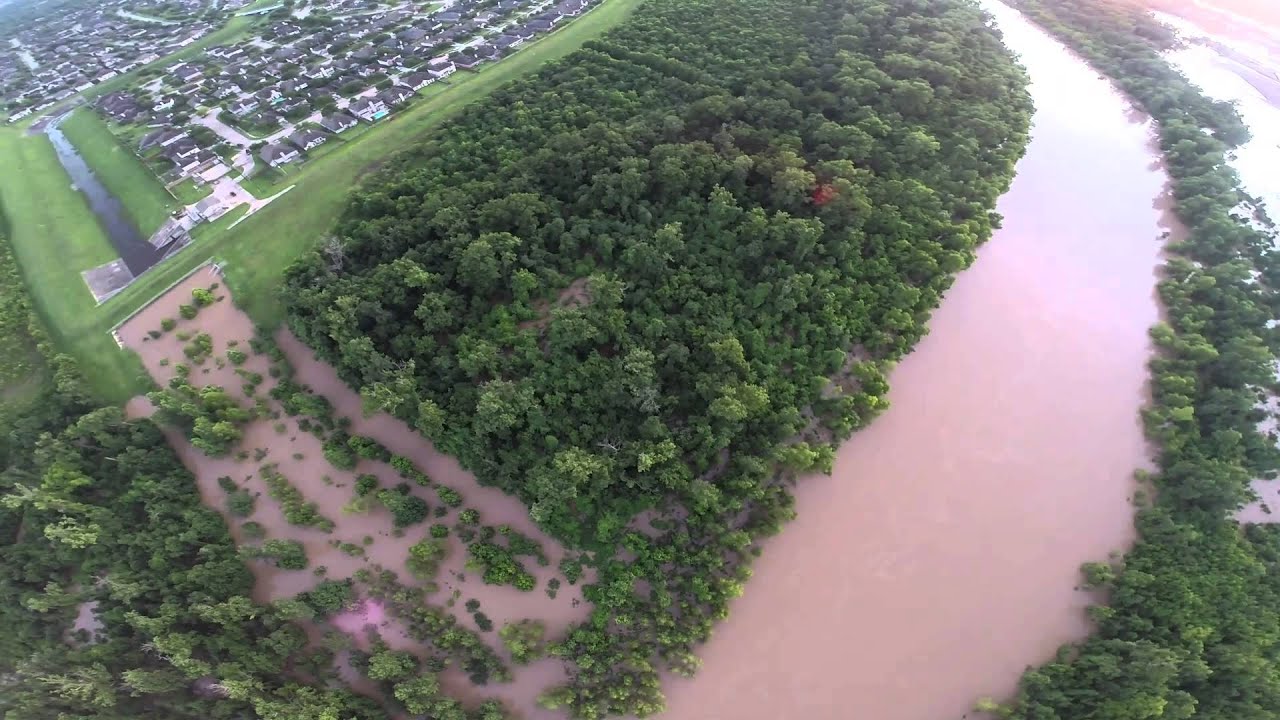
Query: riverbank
(960, 517)
(1191, 620)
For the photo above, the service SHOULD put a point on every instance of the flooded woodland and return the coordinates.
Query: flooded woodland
(941, 556)
(299, 456)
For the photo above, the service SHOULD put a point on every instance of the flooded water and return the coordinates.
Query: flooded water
(87, 621)
(137, 253)
(1227, 67)
(940, 558)
(299, 457)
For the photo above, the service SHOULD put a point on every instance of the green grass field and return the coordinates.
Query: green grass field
(188, 192)
(257, 251)
(55, 236)
(133, 183)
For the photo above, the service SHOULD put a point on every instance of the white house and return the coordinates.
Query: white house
(441, 67)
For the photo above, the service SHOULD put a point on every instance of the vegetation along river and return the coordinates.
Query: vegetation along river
(940, 558)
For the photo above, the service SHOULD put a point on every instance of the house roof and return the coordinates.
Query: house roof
(306, 136)
(276, 150)
(417, 79)
(337, 120)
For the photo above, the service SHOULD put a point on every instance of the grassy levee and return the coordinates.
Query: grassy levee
(121, 171)
(257, 251)
(55, 236)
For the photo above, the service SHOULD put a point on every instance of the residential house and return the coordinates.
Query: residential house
(338, 122)
(485, 19)
(396, 95)
(161, 138)
(470, 62)
(441, 67)
(183, 148)
(508, 43)
(293, 107)
(120, 106)
(209, 209)
(277, 154)
(418, 80)
(240, 108)
(545, 22)
(320, 71)
(307, 139)
(185, 74)
(368, 109)
(289, 87)
(225, 90)
(270, 95)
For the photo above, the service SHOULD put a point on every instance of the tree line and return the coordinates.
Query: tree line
(1191, 626)
(669, 274)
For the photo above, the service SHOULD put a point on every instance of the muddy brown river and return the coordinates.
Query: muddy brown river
(940, 557)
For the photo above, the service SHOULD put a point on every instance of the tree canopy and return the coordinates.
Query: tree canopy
(667, 274)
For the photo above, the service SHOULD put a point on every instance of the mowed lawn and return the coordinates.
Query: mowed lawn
(55, 236)
(256, 252)
(121, 171)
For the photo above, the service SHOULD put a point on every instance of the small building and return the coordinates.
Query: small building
(208, 209)
(338, 122)
(307, 139)
(277, 154)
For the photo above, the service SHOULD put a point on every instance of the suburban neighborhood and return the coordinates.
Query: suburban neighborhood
(309, 74)
(81, 47)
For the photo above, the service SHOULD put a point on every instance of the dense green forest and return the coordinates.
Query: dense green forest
(1192, 624)
(669, 274)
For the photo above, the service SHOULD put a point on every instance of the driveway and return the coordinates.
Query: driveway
(224, 131)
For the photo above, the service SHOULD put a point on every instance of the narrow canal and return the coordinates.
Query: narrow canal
(137, 253)
(941, 557)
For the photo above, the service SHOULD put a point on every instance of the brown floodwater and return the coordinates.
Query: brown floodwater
(940, 558)
(299, 457)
